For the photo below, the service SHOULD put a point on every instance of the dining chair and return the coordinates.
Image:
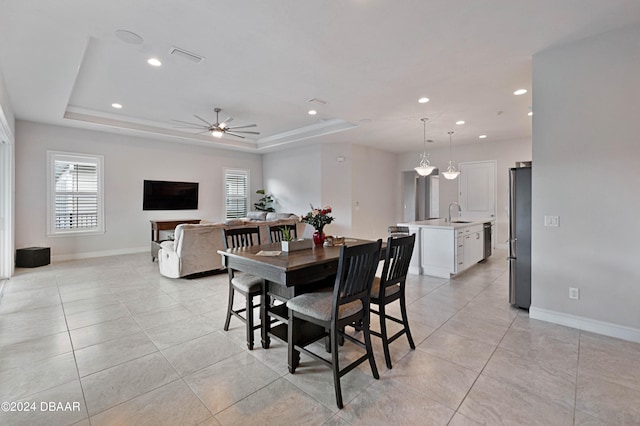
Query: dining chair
(248, 285)
(275, 233)
(398, 231)
(389, 287)
(348, 303)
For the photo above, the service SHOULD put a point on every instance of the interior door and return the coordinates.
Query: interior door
(477, 189)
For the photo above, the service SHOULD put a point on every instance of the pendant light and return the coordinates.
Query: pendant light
(451, 172)
(425, 168)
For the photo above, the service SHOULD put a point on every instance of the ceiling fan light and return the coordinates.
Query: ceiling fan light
(216, 133)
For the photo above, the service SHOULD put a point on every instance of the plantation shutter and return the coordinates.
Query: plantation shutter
(236, 189)
(76, 195)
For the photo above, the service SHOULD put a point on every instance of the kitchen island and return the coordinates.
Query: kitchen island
(444, 248)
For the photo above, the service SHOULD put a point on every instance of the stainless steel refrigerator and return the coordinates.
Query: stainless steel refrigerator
(520, 237)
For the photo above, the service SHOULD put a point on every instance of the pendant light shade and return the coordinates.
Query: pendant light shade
(451, 172)
(425, 168)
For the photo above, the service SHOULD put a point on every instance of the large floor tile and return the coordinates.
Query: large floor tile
(68, 407)
(180, 331)
(16, 383)
(202, 352)
(278, 403)
(161, 316)
(113, 352)
(171, 404)
(384, 403)
(539, 375)
(103, 332)
(608, 401)
(223, 384)
(123, 382)
(610, 359)
(459, 350)
(96, 316)
(494, 402)
(482, 331)
(437, 379)
(24, 354)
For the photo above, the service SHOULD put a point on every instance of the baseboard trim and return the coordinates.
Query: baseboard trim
(90, 254)
(3, 286)
(587, 324)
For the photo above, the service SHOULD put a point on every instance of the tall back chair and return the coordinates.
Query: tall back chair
(391, 287)
(276, 232)
(247, 285)
(348, 303)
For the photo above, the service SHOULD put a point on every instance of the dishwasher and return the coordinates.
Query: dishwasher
(487, 241)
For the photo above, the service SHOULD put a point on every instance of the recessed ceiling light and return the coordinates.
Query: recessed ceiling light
(312, 112)
(129, 37)
(154, 62)
(116, 105)
(530, 113)
(460, 122)
(520, 92)
(482, 137)
(423, 100)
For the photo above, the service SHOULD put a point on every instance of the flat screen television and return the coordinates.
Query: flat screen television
(163, 195)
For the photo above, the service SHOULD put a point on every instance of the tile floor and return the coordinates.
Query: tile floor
(131, 347)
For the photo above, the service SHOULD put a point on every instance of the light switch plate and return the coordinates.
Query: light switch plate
(552, 221)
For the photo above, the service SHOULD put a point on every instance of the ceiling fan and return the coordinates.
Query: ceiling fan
(218, 128)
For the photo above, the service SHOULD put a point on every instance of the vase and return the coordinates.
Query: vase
(318, 238)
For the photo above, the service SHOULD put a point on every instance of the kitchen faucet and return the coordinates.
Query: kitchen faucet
(459, 210)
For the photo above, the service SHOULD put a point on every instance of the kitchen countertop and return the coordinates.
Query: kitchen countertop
(443, 223)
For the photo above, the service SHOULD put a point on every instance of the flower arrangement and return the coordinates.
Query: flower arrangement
(318, 218)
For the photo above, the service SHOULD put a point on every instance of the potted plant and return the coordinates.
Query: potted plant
(289, 244)
(265, 203)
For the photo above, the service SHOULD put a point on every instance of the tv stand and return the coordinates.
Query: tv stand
(164, 225)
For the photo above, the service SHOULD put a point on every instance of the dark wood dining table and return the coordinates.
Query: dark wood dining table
(286, 275)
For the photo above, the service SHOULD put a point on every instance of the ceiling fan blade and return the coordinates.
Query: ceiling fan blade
(248, 133)
(202, 133)
(226, 121)
(191, 124)
(242, 127)
(203, 120)
(234, 134)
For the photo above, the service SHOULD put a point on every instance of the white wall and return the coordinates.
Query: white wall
(586, 169)
(294, 178)
(337, 187)
(127, 162)
(361, 189)
(505, 153)
(374, 192)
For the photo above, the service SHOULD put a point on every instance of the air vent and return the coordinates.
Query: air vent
(185, 54)
(317, 101)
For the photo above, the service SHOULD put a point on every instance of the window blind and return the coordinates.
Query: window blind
(76, 195)
(236, 188)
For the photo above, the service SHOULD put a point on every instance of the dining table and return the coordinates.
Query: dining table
(286, 275)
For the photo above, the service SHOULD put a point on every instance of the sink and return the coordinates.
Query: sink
(461, 221)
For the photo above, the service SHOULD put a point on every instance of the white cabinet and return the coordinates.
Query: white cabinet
(443, 248)
(469, 247)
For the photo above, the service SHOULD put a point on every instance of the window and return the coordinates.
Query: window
(75, 199)
(236, 193)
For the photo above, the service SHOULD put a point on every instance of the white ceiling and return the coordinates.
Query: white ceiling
(370, 60)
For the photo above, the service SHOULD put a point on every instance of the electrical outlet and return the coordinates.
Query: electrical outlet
(552, 221)
(574, 293)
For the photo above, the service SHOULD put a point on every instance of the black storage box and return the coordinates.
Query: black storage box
(32, 257)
